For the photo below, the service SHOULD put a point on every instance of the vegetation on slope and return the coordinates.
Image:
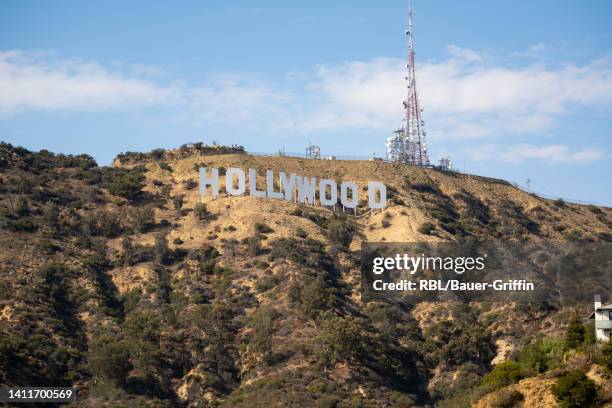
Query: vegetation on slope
(118, 281)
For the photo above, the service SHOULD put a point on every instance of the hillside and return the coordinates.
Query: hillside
(117, 280)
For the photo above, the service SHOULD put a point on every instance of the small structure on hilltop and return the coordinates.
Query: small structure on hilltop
(446, 164)
(313, 151)
(603, 319)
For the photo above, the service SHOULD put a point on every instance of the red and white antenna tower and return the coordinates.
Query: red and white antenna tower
(408, 145)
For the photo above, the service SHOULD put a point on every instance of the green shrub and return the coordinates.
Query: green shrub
(178, 202)
(504, 374)
(253, 244)
(142, 218)
(127, 183)
(262, 323)
(574, 334)
(262, 228)
(341, 231)
(25, 224)
(427, 228)
(542, 355)
(200, 211)
(606, 356)
(163, 254)
(189, 184)
(165, 166)
(575, 390)
(590, 337)
(339, 339)
(267, 283)
(21, 207)
(311, 296)
(109, 358)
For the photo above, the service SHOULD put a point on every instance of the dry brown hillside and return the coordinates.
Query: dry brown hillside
(120, 282)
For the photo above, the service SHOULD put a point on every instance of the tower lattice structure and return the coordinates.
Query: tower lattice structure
(408, 144)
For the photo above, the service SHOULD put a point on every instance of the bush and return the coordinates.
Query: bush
(575, 390)
(200, 211)
(340, 339)
(574, 334)
(263, 228)
(340, 231)
(109, 358)
(178, 202)
(262, 324)
(312, 296)
(143, 218)
(165, 166)
(504, 374)
(123, 182)
(21, 207)
(189, 184)
(427, 228)
(543, 355)
(25, 224)
(163, 254)
(254, 244)
(606, 356)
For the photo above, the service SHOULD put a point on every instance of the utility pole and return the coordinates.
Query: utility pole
(529, 186)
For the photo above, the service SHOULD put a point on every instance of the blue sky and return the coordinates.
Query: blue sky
(514, 90)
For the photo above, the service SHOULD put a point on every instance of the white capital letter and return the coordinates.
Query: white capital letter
(344, 187)
(288, 185)
(374, 186)
(229, 181)
(306, 189)
(253, 184)
(212, 181)
(270, 186)
(333, 199)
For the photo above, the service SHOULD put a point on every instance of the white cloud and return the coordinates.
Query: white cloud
(552, 154)
(468, 95)
(463, 96)
(34, 80)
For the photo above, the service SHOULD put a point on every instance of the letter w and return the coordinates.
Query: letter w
(306, 189)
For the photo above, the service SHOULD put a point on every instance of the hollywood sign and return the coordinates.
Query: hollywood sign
(292, 188)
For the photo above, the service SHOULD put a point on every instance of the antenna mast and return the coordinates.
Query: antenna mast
(414, 128)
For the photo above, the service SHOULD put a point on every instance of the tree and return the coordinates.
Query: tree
(575, 390)
(339, 339)
(142, 337)
(123, 182)
(51, 215)
(163, 254)
(427, 228)
(178, 202)
(109, 358)
(504, 374)
(574, 334)
(142, 217)
(590, 337)
(340, 231)
(200, 211)
(21, 207)
(606, 356)
(263, 330)
(129, 252)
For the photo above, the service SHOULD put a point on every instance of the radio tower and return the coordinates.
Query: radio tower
(414, 127)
